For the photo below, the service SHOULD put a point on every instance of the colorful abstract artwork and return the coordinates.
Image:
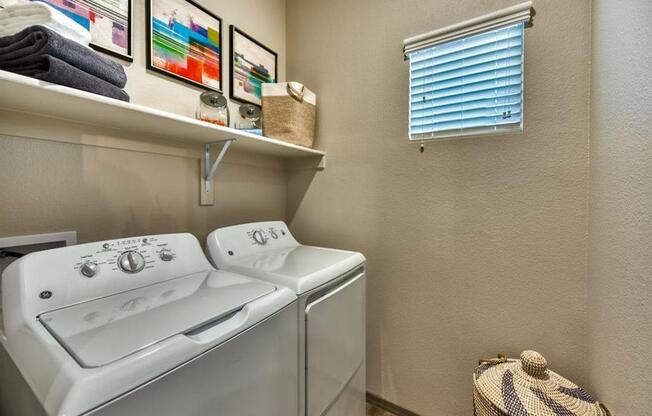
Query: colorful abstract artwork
(252, 64)
(108, 21)
(185, 42)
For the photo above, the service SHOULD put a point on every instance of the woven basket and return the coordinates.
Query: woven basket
(526, 387)
(289, 113)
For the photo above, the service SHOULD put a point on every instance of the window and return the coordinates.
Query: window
(470, 82)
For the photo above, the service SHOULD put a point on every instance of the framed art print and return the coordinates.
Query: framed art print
(184, 41)
(108, 21)
(252, 64)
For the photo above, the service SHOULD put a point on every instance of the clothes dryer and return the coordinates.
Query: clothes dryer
(330, 285)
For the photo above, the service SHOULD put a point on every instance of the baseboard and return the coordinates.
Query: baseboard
(388, 406)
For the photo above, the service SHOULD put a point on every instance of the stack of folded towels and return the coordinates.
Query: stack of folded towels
(39, 41)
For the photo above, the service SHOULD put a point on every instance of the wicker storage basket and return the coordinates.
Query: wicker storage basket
(289, 113)
(526, 387)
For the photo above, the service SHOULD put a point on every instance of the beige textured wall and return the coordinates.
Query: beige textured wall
(104, 193)
(620, 276)
(474, 247)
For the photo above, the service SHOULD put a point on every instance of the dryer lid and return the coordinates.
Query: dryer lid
(105, 330)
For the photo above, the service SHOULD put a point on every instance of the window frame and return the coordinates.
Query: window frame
(519, 14)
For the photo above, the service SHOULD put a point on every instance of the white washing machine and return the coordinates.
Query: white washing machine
(331, 316)
(144, 326)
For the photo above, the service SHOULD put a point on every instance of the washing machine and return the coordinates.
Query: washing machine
(330, 285)
(144, 326)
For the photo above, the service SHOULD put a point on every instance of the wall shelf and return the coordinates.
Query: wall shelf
(56, 103)
(29, 95)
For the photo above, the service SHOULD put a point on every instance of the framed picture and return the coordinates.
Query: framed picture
(252, 64)
(184, 41)
(108, 21)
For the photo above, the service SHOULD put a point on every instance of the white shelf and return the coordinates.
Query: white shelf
(28, 95)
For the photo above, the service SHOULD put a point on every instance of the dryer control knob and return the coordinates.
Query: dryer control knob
(259, 237)
(131, 262)
(89, 269)
(166, 255)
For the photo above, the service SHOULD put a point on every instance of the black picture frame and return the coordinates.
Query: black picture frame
(129, 57)
(130, 40)
(232, 32)
(151, 67)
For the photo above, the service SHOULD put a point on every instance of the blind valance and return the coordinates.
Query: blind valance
(523, 12)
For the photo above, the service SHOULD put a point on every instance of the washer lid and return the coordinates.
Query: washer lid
(101, 331)
(301, 268)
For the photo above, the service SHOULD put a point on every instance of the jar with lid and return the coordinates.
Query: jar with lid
(250, 119)
(213, 108)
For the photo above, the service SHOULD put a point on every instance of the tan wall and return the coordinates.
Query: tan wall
(620, 277)
(474, 247)
(104, 193)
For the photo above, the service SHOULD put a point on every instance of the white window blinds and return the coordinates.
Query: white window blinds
(470, 85)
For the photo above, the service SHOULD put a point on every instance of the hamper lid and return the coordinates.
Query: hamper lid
(526, 387)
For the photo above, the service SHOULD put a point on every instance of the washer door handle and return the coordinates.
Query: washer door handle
(222, 326)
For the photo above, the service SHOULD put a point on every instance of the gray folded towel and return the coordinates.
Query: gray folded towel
(27, 46)
(51, 69)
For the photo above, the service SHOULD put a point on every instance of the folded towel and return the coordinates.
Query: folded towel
(51, 69)
(6, 3)
(17, 17)
(26, 47)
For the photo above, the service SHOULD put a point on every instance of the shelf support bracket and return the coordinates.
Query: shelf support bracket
(211, 166)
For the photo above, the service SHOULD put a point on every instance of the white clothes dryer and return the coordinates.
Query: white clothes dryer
(331, 315)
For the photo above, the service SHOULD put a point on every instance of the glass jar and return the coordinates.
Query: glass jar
(213, 108)
(250, 119)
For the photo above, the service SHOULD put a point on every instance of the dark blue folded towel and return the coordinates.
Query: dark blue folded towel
(26, 47)
(51, 69)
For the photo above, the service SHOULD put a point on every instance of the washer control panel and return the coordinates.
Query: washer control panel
(69, 275)
(128, 256)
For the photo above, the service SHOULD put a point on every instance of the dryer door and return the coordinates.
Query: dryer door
(335, 350)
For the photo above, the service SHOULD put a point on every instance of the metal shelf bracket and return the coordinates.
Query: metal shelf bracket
(211, 166)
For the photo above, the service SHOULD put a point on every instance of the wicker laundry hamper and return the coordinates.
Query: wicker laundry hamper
(526, 387)
(289, 110)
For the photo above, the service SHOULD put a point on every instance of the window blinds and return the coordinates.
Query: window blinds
(471, 85)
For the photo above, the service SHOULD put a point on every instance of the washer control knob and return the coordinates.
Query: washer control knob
(166, 255)
(259, 237)
(131, 262)
(89, 269)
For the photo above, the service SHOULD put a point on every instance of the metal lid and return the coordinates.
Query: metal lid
(213, 99)
(250, 112)
(528, 387)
